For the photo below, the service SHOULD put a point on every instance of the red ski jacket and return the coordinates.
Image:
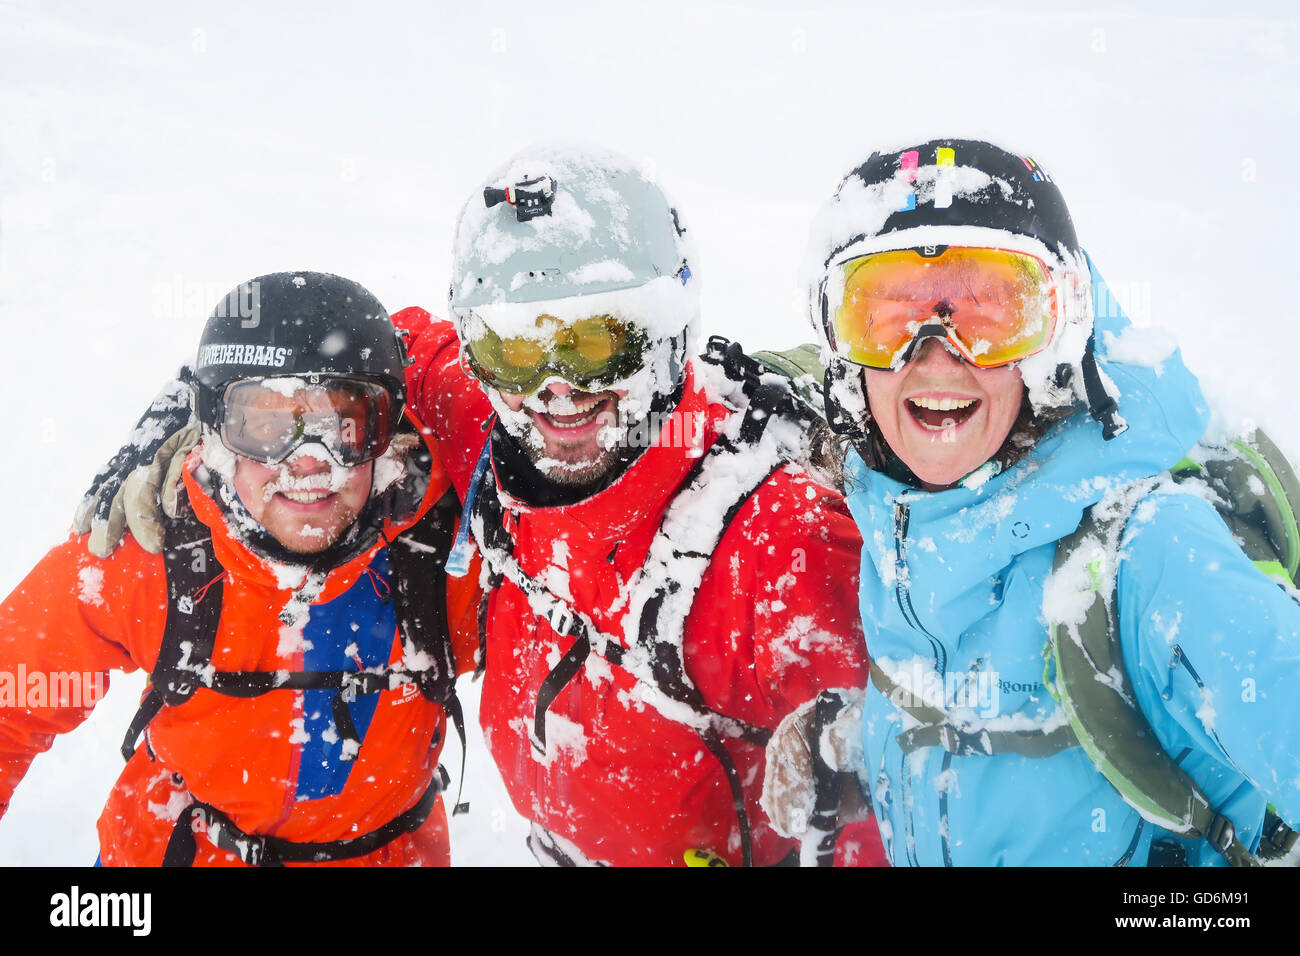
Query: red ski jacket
(271, 763)
(774, 621)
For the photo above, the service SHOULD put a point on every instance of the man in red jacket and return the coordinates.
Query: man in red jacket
(667, 579)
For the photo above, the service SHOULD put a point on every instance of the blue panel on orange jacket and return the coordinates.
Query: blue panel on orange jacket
(360, 617)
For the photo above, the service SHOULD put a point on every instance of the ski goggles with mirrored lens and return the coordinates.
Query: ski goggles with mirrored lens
(993, 306)
(265, 419)
(590, 354)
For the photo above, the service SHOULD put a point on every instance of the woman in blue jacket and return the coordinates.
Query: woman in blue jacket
(992, 393)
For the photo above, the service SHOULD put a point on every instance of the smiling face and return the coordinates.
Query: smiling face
(941, 416)
(305, 502)
(568, 431)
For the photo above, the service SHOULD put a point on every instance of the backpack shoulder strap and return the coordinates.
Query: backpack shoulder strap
(663, 591)
(194, 588)
(1099, 700)
(1258, 493)
(417, 560)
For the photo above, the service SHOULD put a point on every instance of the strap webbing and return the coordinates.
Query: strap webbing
(259, 850)
(149, 707)
(934, 729)
(556, 681)
(719, 750)
(824, 819)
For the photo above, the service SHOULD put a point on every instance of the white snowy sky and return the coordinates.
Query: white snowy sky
(154, 154)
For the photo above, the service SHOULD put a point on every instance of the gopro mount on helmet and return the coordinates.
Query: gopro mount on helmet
(531, 198)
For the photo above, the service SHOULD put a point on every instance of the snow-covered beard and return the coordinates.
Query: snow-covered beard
(635, 399)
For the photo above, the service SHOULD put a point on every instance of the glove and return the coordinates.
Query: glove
(140, 481)
(790, 782)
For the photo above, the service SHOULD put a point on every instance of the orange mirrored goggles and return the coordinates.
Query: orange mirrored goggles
(993, 306)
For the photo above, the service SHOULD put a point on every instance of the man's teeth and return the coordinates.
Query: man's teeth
(580, 422)
(306, 497)
(589, 406)
(572, 406)
(942, 404)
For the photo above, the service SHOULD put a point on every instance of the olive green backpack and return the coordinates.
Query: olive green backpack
(1256, 493)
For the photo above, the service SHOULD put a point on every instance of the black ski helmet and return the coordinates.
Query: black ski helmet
(312, 324)
(1019, 196)
(931, 193)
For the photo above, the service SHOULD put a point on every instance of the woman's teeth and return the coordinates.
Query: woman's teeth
(938, 414)
(942, 404)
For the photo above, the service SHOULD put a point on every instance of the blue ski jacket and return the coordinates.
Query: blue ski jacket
(952, 596)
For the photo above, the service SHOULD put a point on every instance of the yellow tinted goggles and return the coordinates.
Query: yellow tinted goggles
(590, 354)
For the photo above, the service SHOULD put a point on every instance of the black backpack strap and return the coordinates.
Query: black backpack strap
(664, 590)
(824, 819)
(258, 850)
(147, 711)
(417, 559)
(194, 589)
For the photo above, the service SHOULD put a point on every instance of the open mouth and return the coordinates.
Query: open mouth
(938, 414)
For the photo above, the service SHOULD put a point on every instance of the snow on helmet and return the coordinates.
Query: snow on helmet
(308, 324)
(572, 234)
(965, 193)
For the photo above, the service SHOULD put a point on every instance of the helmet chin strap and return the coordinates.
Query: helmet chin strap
(1101, 405)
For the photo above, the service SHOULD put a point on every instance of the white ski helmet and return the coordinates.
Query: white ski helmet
(575, 233)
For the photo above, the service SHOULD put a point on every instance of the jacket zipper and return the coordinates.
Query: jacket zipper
(902, 516)
(1180, 655)
(909, 831)
(943, 811)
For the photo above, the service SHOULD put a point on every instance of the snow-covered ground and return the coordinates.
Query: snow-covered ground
(154, 154)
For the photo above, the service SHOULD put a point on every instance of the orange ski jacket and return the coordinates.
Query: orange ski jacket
(272, 764)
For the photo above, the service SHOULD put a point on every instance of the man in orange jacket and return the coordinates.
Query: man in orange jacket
(300, 686)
